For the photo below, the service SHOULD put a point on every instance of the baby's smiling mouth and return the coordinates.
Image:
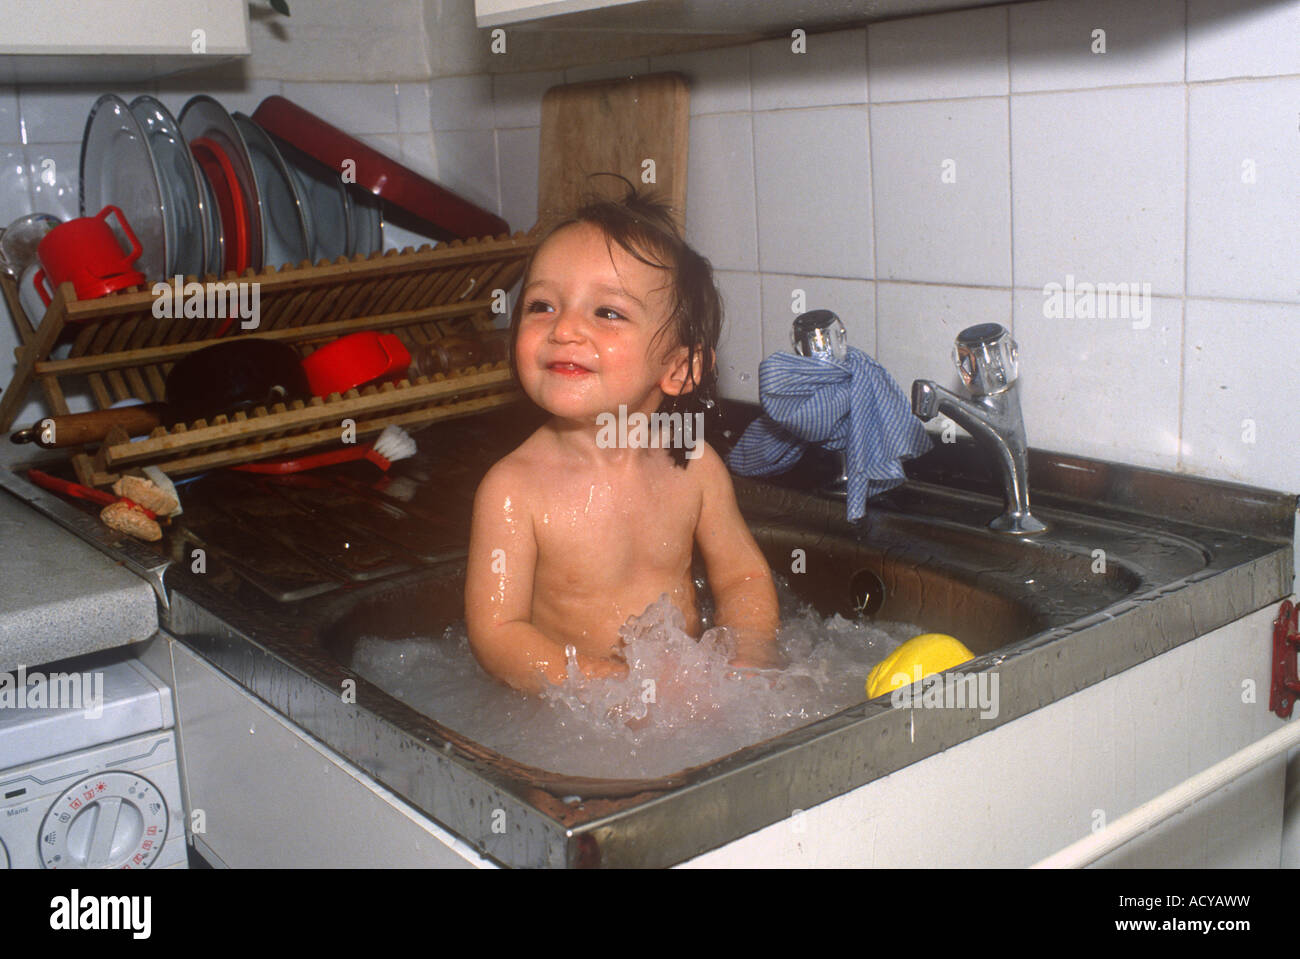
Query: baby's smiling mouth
(568, 369)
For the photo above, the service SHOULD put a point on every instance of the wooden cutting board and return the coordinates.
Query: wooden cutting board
(634, 126)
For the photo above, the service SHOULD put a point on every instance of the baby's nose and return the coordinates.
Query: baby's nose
(568, 326)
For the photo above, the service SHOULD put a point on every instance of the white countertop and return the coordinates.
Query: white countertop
(59, 596)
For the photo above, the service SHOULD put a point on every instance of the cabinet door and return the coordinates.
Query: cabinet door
(270, 796)
(186, 27)
(491, 13)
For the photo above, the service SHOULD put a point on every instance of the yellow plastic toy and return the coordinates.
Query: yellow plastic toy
(932, 652)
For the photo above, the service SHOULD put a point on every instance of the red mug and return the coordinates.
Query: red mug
(86, 252)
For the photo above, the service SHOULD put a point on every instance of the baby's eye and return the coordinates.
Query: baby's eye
(537, 306)
(613, 314)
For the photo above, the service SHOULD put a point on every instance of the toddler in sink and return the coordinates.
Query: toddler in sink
(574, 532)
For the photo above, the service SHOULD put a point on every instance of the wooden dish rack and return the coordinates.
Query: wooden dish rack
(123, 351)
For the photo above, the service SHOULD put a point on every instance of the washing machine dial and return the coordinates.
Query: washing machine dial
(111, 820)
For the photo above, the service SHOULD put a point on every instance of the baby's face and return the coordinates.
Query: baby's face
(587, 328)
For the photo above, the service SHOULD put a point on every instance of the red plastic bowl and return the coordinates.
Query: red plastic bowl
(353, 360)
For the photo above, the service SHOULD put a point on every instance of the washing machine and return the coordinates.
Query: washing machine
(88, 767)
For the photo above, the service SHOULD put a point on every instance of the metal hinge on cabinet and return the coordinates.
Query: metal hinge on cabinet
(1285, 686)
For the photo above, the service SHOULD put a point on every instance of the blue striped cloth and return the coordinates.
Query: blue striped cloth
(855, 406)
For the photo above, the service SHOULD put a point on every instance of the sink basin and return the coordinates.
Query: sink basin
(1135, 562)
(922, 556)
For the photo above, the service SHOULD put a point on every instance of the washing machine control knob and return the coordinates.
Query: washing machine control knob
(114, 820)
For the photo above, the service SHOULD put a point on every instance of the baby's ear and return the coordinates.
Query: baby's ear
(678, 380)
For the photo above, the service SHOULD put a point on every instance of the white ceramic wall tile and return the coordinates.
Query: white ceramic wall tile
(719, 79)
(1052, 43)
(417, 153)
(605, 71)
(918, 324)
(1243, 201)
(54, 177)
(389, 144)
(721, 221)
(741, 345)
(399, 238)
(414, 113)
(832, 71)
(355, 108)
(962, 54)
(461, 103)
(15, 195)
(1238, 382)
(942, 191)
(1107, 207)
(1100, 387)
(814, 192)
(467, 165)
(10, 129)
(853, 301)
(1242, 38)
(234, 90)
(520, 152)
(517, 97)
(55, 114)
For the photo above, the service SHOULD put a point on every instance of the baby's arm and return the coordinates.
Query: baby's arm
(499, 590)
(738, 573)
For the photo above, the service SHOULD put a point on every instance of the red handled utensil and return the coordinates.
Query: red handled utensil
(68, 488)
(394, 444)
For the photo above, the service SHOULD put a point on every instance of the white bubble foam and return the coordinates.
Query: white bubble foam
(680, 705)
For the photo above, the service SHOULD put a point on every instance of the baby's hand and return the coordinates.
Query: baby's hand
(753, 649)
(595, 667)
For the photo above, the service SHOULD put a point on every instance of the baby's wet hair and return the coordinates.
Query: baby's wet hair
(642, 223)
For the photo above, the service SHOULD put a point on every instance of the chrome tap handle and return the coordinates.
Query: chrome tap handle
(820, 333)
(987, 359)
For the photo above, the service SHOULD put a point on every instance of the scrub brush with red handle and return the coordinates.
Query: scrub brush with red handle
(119, 513)
(394, 444)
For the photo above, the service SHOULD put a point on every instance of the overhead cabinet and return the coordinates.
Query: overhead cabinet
(61, 41)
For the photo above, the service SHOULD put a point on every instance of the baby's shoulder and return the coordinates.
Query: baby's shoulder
(517, 473)
(706, 466)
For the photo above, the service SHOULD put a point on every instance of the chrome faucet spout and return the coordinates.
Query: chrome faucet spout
(986, 358)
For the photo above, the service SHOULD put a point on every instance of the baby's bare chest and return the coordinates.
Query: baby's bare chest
(615, 526)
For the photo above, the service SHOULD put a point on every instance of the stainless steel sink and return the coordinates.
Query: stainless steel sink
(1135, 562)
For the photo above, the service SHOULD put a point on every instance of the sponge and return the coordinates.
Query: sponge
(933, 652)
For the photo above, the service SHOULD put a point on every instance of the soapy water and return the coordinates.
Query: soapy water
(681, 703)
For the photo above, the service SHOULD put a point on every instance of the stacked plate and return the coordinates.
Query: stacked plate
(211, 193)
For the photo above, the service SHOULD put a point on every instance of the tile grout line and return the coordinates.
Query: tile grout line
(871, 195)
(1180, 465)
(1011, 191)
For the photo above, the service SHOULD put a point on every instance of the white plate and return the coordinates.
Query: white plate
(117, 168)
(325, 200)
(285, 233)
(183, 200)
(216, 237)
(367, 221)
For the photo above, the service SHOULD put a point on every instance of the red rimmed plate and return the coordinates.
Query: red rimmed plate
(205, 118)
(445, 213)
(216, 166)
